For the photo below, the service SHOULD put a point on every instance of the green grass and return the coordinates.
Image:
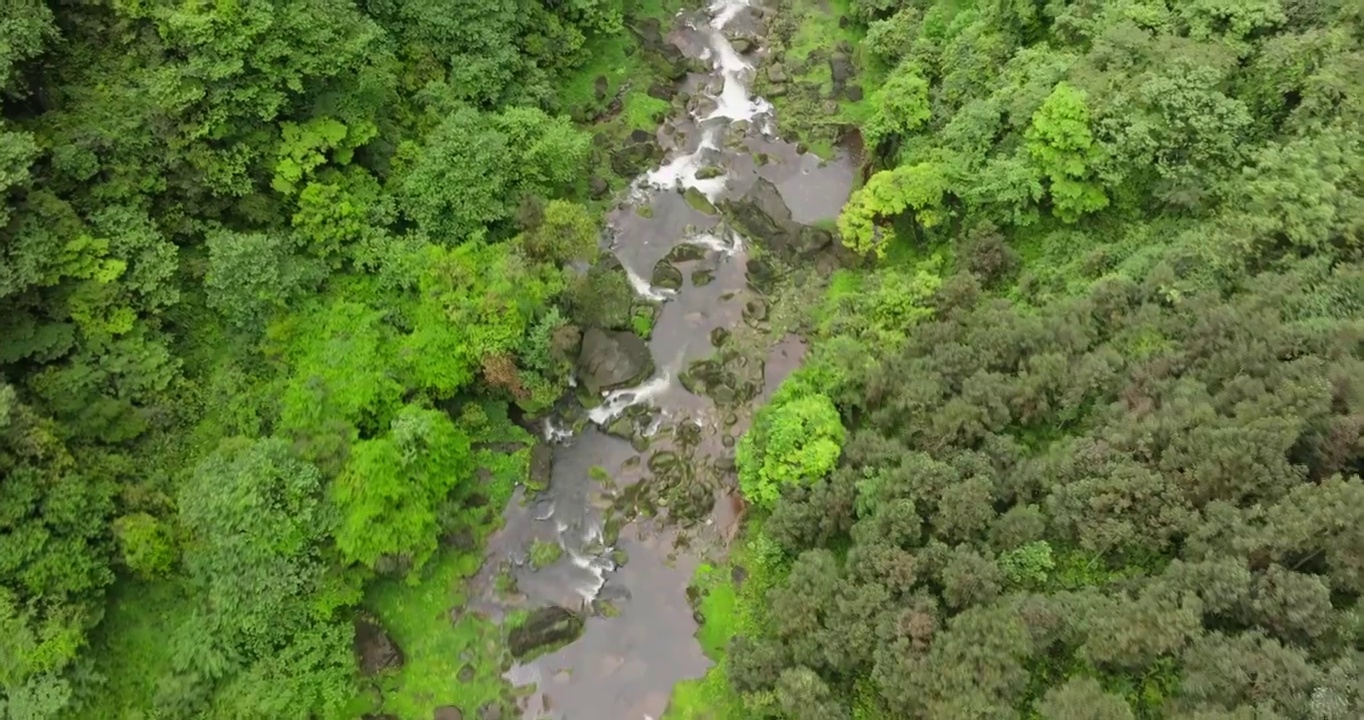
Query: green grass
(418, 617)
(729, 611)
(643, 111)
(817, 30)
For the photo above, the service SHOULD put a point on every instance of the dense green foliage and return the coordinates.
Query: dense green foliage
(267, 275)
(1096, 391)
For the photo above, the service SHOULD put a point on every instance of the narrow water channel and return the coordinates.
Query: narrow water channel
(630, 572)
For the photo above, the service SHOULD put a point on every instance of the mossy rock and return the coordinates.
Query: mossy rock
(666, 275)
(709, 172)
(702, 278)
(685, 252)
(719, 336)
(699, 201)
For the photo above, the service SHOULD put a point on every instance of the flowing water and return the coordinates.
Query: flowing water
(639, 636)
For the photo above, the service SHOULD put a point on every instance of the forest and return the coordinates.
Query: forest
(1080, 437)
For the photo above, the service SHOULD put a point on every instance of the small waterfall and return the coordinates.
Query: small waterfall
(618, 401)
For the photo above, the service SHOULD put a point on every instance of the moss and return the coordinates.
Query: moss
(418, 617)
(543, 553)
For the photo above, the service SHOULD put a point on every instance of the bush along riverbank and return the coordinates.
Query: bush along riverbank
(1053, 452)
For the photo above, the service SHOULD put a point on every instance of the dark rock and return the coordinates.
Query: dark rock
(685, 252)
(741, 45)
(612, 359)
(738, 574)
(763, 215)
(702, 278)
(376, 649)
(547, 627)
(598, 187)
(719, 336)
(661, 91)
(634, 158)
(853, 92)
(755, 310)
(541, 465)
(600, 87)
(640, 136)
(666, 275)
(760, 274)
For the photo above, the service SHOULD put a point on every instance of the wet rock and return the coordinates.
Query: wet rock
(699, 201)
(377, 651)
(661, 91)
(622, 427)
(690, 502)
(707, 173)
(666, 275)
(702, 278)
(449, 712)
(853, 92)
(763, 214)
(600, 87)
(685, 252)
(776, 73)
(755, 310)
(719, 336)
(545, 629)
(639, 136)
(663, 461)
(635, 157)
(597, 187)
(741, 45)
(612, 359)
(541, 465)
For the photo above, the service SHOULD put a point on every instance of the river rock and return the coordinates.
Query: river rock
(666, 275)
(763, 215)
(541, 465)
(702, 277)
(842, 70)
(449, 712)
(598, 187)
(741, 45)
(699, 201)
(377, 651)
(776, 73)
(612, 359)
(661, 91)
(719, 336)
(685, 252)
(546, 627)
(708, 172)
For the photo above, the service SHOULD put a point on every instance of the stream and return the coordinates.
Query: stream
(628, 569)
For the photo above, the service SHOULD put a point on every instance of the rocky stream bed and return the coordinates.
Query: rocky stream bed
(635, 484)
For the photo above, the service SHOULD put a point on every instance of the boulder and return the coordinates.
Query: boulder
(547, 627)
(776, 73)
(763, 215)
(541, 465)
(612, 359)
(853, 92)
(666, 275)
(842, 70)
(741, 45)
(698, 201)
(449, 712)
(660, 91)
(376, 649)
(598, 187)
